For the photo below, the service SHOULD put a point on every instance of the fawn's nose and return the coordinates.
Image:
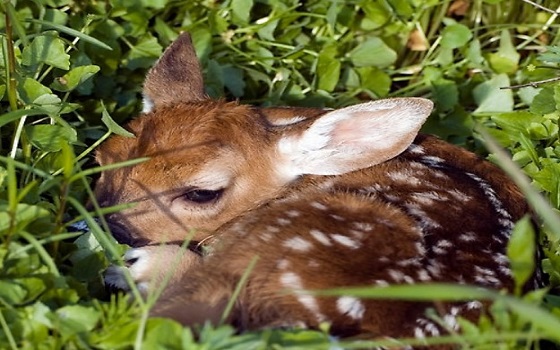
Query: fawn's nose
(123, 234)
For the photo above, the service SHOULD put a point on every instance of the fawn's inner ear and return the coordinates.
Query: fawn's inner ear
(355, 137)
(176, 76)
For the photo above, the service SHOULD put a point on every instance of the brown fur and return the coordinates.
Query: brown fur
(435, 213)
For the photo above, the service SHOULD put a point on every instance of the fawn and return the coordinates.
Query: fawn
(323, 198)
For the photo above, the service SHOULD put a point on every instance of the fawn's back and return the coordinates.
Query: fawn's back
(323, 199)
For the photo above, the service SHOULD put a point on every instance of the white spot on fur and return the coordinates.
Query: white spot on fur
(318, 205)
(468, 237)
(356, 234)
(350, 307)
(433, 161)
(442, 247)
(474, 305)
(364, 226)
(272, 229)
(293, 213)
(397, 276)
(501, 259)
(420, 248)
(429, 197)
(434, 268)
(320, 237)
(494, 200)
(283, 221)
(416, 149)
(337, 217)
(408, 262)
(381, 283)
(266, 236)
(292, 281)
(286, 121)
(459, 196)
(313, 264)
(428, 326)
(283, 264)
(419, 333)
(298, 244)
(345, 241)
(451, 321)
(426, 223)
(403, 177)
(423, 275)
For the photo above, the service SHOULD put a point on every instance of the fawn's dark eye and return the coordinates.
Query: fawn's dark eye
(202, 196)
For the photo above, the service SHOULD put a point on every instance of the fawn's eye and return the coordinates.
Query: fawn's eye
(203, 196)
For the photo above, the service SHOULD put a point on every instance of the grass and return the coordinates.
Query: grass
(71, 72)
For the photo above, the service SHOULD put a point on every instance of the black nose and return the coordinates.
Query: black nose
(123, 235)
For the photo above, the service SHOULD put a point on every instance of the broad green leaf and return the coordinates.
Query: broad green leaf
(113, 126)
(328, 68)
(202, 41)
(376, 15)
(241, 10)
(474, 53)
(155, 4)
(552, 55)
(446, 94)
(515, 122)
(490, 98)
(445, 57)
(48, 100)
(24, 214)
(374, 80)
(48, 138)
(527, 94)
(30, 89)
(163, 334)
(402, 7)
(233, 80)
(73, 319)
(144, 53)
(33, 286)
(373, 52)
(48, 49)
(455, 36)
(506, 59)
(521, 252)
(74, 77)
(10, 291)
(543, 130)
(543, 102)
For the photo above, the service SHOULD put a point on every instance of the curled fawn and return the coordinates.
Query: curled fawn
(323, 198)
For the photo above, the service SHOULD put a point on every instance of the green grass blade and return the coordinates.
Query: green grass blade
(12, 116)
(418, 292)
(16, 24)
(72, 32)
(99, 169)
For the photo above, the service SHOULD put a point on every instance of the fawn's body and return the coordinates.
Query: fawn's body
(323, 199)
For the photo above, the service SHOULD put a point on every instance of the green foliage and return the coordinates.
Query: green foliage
(71, 72)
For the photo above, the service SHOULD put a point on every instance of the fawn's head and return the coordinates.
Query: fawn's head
(210, 161)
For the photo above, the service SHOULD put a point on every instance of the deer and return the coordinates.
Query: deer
(309, 198)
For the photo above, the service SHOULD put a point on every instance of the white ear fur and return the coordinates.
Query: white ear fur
(355, 137)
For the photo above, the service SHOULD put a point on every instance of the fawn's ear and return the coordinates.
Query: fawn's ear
(355, 137)
(175, 77)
